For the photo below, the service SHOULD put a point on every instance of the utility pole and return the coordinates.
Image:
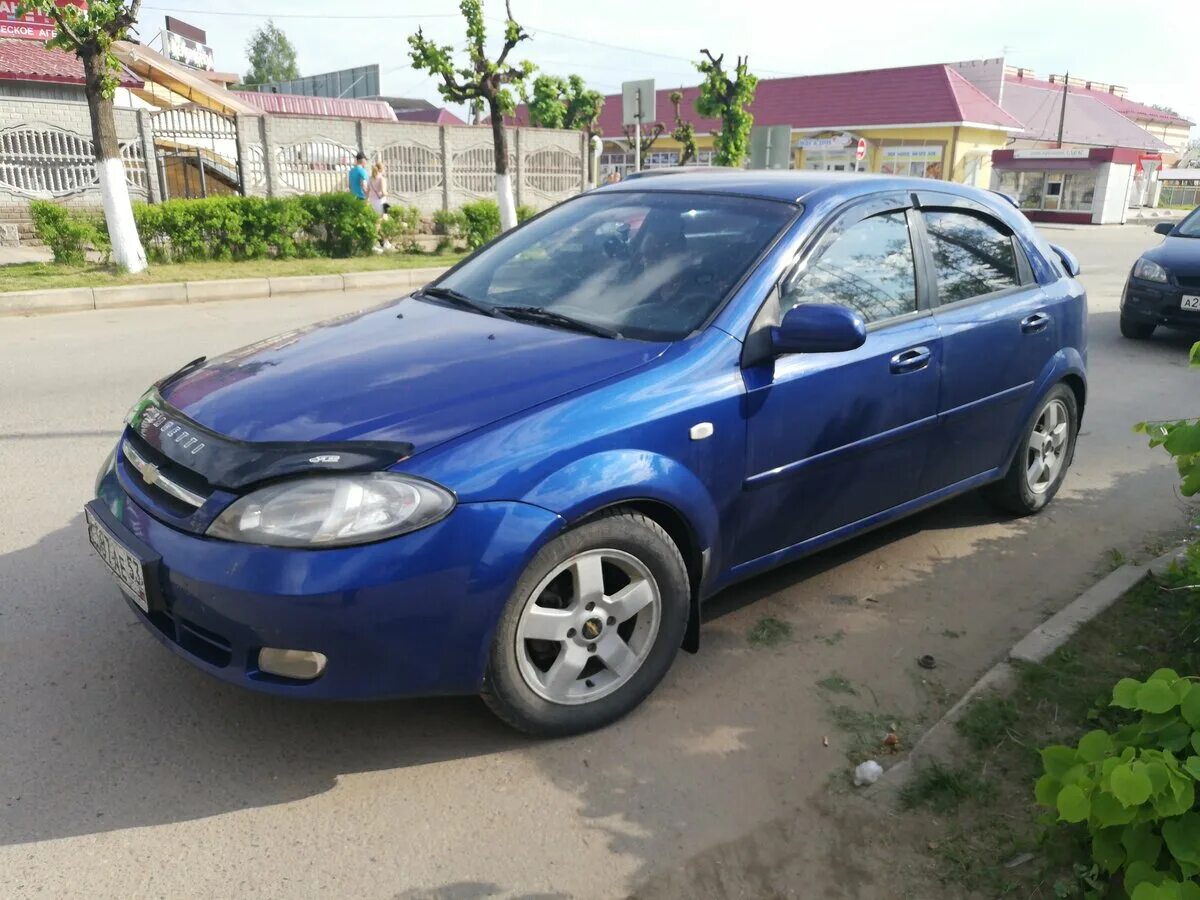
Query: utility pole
(637, 132)
(1062, 117)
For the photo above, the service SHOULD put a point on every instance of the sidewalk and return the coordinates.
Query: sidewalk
(165, 293)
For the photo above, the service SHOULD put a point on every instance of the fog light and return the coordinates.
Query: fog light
(302, 665)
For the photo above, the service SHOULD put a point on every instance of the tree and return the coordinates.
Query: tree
(483, 79)
(89, 34)
(725, 98)
(564, 103)
(272, 56)
(684, 133)
(650, 134)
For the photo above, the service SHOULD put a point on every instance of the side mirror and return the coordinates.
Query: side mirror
(818, 328)
(1070, 263)
(1164, 227)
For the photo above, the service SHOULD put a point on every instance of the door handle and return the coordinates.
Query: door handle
(913, 360)
(1036, 323)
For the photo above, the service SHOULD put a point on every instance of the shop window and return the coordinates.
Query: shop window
(1079, 189)
(1050, 190)
(918, 161)
(972, 256)
(869, 268)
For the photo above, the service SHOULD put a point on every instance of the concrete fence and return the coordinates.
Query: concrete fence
(46, 153)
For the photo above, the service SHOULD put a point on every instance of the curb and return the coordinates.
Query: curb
(1035, 647)
(174, 293)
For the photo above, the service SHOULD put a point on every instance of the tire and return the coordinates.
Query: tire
(1018, 492)
(1138, 331)
(626, 561)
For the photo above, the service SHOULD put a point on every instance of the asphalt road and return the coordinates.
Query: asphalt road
(125, 773)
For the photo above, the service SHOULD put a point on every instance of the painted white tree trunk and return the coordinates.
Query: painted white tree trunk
(504, 197)
(127, 249)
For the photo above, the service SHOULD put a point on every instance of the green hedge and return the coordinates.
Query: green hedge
(480, 221)
(222, 228)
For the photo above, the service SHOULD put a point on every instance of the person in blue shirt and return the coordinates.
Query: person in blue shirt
(359, 177)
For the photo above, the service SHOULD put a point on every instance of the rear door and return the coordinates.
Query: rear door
(998, 330)
(835, 438)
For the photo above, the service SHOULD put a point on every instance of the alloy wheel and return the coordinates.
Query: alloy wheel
(1046, 450)
(588, 627)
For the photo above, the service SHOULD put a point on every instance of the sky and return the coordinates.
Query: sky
(618, 40)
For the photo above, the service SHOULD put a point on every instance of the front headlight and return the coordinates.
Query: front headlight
(1149, 270)
(333, 511)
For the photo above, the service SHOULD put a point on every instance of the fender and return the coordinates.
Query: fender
(1067, 362)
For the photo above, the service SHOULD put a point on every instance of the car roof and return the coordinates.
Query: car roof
(798, 187)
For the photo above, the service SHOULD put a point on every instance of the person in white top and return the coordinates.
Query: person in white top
(377, 189)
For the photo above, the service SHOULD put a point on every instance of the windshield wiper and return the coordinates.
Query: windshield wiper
(460, 299)
(545, 316)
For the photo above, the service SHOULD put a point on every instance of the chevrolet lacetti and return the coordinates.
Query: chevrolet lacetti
(525, 479)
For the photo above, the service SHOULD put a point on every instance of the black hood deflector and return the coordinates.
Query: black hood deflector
(235, 465)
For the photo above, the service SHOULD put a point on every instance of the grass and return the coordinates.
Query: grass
(49, 276)
(769, 632)
(836, 684)
(977, 813)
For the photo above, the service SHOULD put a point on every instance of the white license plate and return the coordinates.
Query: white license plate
(1192, 303)
(124, 565)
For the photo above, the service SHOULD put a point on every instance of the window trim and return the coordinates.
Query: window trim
(1024, 273)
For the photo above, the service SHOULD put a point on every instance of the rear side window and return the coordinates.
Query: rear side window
(868, 268)
(972, 257)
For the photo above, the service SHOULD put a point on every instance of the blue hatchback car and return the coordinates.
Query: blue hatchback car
(525, 479)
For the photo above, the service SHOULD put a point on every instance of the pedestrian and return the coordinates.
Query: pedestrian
(359, 176)
(377, 189)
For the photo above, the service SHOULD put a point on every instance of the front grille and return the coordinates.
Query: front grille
(1189, 281)
(177, 489)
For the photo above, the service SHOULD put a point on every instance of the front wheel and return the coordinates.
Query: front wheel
(1138, 331)
(592, 627)
(1040, 465)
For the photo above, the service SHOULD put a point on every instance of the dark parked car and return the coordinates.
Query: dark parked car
(1164, 286)
(526, 479)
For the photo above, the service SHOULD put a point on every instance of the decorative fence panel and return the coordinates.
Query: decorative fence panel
(46, 152)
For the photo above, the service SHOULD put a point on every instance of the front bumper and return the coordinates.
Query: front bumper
(413, 615)
(1157, 303)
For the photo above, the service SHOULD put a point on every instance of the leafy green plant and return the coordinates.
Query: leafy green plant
(726, 97)
(481, 222)
(1181, 439)
(340, 224)
(401, 225)
(525, 212)
(1135, 789)
(449, 222)
(68, 235)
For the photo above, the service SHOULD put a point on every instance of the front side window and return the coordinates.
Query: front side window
(651, 265)
(972, 256)
(868, 268)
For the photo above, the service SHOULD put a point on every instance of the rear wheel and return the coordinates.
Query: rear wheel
(1138, 331)
(592, 627)
(1041, 463)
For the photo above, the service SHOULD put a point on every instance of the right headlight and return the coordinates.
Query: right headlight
(333, 511)
(1149, 270)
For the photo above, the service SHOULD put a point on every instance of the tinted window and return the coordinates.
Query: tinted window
(651, 265)
(869, 268)
(972, 257)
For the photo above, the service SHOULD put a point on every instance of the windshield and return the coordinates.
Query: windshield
(649, 265)
(1190, 227)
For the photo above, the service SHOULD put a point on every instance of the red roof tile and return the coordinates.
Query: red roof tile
(435, 116)
(1130, 109)
(22, 60)
(913, 95)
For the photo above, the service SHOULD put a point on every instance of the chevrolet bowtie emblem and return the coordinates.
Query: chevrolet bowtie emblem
(150, 474)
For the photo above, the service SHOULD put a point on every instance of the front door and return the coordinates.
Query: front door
(836, 438)
(999, 333)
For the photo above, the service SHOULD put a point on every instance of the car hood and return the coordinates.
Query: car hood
(1179, 255)
(413, 372)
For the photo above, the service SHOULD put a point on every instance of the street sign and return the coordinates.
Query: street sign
(860, 152)
(638, 104)
(771, 147)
